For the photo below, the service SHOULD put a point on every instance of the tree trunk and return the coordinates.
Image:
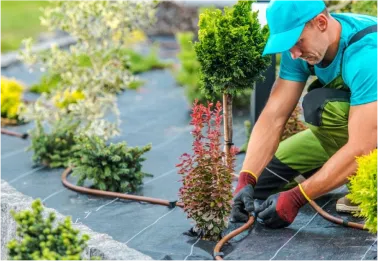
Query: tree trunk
(227, 121)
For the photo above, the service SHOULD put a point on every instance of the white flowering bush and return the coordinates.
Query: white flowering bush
(92, 66)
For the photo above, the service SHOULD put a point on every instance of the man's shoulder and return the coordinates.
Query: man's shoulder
(356, 20)
(353, 23)
(363, 49)
(360, 60)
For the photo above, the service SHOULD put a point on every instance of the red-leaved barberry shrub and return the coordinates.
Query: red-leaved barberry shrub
(206, 191)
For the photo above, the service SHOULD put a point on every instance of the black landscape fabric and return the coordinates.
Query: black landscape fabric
(158, 113)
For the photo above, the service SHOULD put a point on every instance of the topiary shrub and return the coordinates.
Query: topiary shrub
(11, 100)
(363, 189)
(41, 240)
(189, 76)
(113, 167)
(53, 148)
(206, 191)
(229, 49)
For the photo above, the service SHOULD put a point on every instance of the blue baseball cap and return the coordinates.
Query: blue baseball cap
(286, 20)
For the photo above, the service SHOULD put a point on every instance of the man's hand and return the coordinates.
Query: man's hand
(243, 205)
(279, 210)
(243, 199)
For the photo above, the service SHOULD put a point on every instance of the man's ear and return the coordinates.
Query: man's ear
(321, 22)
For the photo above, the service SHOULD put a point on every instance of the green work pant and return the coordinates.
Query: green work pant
(326, 113)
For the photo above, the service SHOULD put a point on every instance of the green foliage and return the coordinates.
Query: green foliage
(55, 148)
(189, 75)
(365, 7)
(363, 189)
(141, 63)
(14, 29)
(40, 240)
(230, 49)
(46, 84)
(113, 167)
(131, 60)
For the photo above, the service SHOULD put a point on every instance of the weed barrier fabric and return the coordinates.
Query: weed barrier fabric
(158, 113)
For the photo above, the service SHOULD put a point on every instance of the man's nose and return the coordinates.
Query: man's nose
(295, 52)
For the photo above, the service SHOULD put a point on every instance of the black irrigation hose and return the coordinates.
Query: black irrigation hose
(16, 134)
(217, 250)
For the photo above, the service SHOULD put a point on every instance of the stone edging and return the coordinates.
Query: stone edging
(11, 58)
(99, 244)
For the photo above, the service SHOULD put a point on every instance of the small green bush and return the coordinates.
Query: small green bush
(113, 167)
(141, 63)
(363, 189)
(188, 74)
(53, 148)
(40, 240)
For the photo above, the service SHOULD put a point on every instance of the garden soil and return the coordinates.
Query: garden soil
(158, 113)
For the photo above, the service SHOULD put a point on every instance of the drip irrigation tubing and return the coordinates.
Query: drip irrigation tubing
(97, 192)
(15, 134)
(171, 204)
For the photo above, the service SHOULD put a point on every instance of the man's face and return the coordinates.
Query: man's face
(312, 44)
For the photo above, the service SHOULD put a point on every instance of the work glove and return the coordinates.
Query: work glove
(279, 210)
(243, 198)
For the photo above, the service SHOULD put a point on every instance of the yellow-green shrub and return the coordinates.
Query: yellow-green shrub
(39, 240)
(363, 189)
(11, 98)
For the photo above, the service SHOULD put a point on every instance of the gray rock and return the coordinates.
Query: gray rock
(99, 244)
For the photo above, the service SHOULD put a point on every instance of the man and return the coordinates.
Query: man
(340, 109)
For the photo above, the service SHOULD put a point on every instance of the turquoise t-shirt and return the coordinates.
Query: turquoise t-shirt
(359, 62)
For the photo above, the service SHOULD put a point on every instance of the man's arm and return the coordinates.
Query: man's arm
(362, 128)
(267, 132)
(263, 143)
